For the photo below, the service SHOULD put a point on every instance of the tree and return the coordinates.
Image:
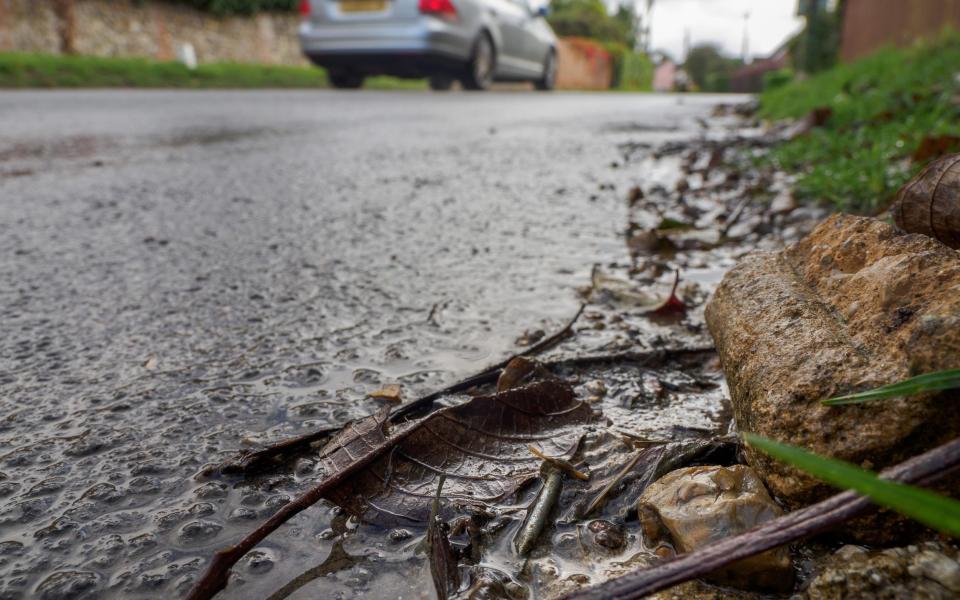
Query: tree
(816, 47)
(709, 68)
(589, 18)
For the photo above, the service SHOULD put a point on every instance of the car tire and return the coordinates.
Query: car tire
(345, 80)
(483, 61)
(441, 84)
(548, 80)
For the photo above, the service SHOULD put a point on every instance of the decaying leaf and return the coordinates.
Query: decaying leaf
(521, 371)
(360, 442)
(935, 146)
(391, 393)
(625, 292)
(443, 563)
(930, 202)
(673, 304)
(480, 446)
(648, 241)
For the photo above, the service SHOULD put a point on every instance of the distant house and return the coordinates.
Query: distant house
(668, 77)
(749, 79)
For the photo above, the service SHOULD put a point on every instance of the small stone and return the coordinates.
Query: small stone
(260, 561)
(607, 534)
(399, 535)
(939, 568)
(699, 505)
(596, 387)
(849, 551)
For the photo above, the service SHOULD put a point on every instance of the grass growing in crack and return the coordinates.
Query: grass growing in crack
(24, 70)
(883, 106)
(930, 382)
(933, 510)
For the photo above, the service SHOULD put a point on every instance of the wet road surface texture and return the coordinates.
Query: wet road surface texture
(186, 274)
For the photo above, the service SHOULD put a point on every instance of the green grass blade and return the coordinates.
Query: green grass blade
(935, 511)
(939, 380)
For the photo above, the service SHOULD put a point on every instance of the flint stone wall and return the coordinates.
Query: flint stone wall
(151, 29)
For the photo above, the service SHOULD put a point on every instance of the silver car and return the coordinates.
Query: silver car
(473, 41)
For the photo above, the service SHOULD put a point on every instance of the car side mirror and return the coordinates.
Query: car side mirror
(542, 11)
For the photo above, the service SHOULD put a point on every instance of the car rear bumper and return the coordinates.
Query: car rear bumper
(417, 49)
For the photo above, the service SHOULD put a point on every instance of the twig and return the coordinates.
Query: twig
(252, 461)
(563, 465)
(925, 468)
(602, 496)
(444, 569)
(646, 359)
(488, 375)
(539, 511)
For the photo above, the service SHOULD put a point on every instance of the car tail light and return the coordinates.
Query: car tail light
(305, 8)
(438, 7)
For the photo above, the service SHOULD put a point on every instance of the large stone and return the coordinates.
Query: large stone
(853, 306)
(694, 506)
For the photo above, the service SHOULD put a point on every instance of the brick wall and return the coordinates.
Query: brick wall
(583, 65)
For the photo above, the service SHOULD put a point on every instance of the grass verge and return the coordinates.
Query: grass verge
(882, 109)
(21, 70)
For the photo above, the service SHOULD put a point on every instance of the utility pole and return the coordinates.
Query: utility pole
(646, 33)
(745, 48)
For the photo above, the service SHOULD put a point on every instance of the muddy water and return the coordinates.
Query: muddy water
(185, 275)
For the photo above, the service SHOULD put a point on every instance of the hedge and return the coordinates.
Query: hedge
(241, 7)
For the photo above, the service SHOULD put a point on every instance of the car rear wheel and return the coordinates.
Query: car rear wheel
(345, 80)
(441, 84)
(479, 74)
(549, 78)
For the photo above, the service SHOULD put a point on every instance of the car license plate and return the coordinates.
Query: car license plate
(361, 6)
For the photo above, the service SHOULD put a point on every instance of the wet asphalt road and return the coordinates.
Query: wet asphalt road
(186, 273)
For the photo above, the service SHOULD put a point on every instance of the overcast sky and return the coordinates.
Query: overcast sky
(721, 22)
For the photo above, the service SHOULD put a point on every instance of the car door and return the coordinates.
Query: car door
(538, 39)
(511, 20)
